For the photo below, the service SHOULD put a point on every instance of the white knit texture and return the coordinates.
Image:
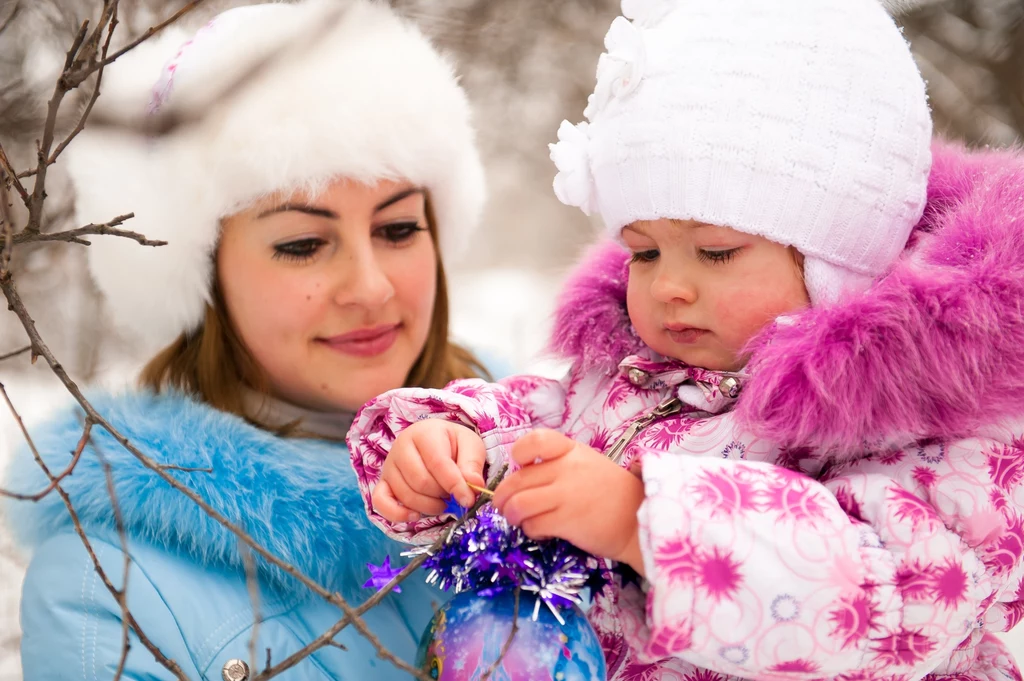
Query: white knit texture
(803, 121)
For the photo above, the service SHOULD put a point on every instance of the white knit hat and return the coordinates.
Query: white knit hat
(365, 98)
(802, 121)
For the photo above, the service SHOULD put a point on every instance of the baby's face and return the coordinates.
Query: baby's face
(698, 293)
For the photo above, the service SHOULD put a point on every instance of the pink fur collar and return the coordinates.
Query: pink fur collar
(935, 349)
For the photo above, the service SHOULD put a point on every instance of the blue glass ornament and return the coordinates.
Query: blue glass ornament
(468, 634)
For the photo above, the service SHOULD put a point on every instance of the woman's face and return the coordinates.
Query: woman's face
(332, 294)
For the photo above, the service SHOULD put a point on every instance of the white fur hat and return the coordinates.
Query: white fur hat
(802, 121)
(366, 98)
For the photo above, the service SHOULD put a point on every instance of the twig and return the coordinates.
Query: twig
(10, 176)
(327, 637)
(79, 64)
(18, 307)
(253, 586)
(508, 642)
(7, 221)
(166, 122)
(149, 33)
(184, 469)
(121, 596)
(76, 455)
(482, 490)
(35, 203)
(9, 355)
(166, 662)
(75, 235)
(96, 88)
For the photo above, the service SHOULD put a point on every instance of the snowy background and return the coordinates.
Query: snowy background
(527, 65)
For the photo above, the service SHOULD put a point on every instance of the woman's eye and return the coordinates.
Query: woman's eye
(298, 251)
(399, 232)
(717, 256)
(645, 256)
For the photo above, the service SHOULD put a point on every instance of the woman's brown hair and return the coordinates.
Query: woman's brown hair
(213, 363)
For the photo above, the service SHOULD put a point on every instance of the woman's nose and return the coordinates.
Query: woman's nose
(365, 282)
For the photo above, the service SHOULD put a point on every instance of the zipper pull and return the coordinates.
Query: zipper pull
(672, 405)
(617, 450)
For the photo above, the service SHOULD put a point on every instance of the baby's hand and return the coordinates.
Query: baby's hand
(570, 491)
(429, 462)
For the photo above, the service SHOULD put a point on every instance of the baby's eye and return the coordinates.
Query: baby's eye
(717, 256)
(645, 256)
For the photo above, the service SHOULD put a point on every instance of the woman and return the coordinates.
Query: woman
(325, 162)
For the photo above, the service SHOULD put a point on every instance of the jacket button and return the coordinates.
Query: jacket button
(729, 386)
(637, 376)
(235, 670)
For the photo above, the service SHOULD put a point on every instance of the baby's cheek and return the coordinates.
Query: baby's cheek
(641, 314)
(741, 316)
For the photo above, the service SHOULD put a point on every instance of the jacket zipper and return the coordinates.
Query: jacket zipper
(669, 407)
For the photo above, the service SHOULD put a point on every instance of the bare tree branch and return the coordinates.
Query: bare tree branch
(96, 88)
(508, 641)
(184, 469)
(166, 122)
(122, 598)
(6, 221)
(166, 662)
(76, 456)
(10, 176)
(35, 203)
(327, 638)
(336, 599)
(253, 586)
(149, 33)
(75, 235)
(15, 353)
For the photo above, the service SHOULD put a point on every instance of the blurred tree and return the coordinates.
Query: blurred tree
(971, 52)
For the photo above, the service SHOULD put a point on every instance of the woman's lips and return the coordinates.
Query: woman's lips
(365, 342)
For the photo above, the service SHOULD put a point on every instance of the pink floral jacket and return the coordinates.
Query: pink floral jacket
(850, 507)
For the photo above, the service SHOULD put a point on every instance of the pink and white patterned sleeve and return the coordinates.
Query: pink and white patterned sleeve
(888, 567)
(500, 412)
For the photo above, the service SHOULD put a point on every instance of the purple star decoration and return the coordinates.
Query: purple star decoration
(489, 556)
(454, 508)
(380, 576)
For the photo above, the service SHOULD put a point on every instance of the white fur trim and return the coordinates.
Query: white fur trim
(370, 99)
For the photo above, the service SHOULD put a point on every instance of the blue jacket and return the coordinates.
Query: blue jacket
(187, 584)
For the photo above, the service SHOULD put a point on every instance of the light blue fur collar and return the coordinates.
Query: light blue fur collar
(298, 498)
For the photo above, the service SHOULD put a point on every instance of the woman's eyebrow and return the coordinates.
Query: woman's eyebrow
(398, 197)
(301, 208)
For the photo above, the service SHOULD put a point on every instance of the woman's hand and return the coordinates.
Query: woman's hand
(429, 462)
(570, 491)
